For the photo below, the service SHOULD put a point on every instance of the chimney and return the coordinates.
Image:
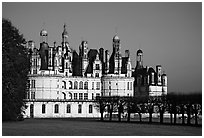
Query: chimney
(107, 61)
(101, 54)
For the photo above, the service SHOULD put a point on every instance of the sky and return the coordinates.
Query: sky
(169, 34)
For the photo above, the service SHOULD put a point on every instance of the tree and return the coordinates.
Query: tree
(162, 104)
(150, 108)
(101, 104)
(15, 68)
(112, 105)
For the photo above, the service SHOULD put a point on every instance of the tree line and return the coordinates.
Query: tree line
(15, 68)
(174, 104)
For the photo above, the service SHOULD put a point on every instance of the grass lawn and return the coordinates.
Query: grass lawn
(93, 127)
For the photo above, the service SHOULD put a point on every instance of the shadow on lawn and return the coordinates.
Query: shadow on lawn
(116, 121)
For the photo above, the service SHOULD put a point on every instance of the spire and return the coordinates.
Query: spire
(65, 30)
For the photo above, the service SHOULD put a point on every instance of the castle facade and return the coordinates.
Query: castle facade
(64, 83)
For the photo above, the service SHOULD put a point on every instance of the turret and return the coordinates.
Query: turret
(164, 80)
(164, 84)
(43, 36)
(159, 73)
(107, 57)
(65, 34)
(129, 66)
(101, 54)
(151, 74)
(117, 55)
(139, 63)
(44, 50)
(84, 56)
(31, 45)
(127, 53)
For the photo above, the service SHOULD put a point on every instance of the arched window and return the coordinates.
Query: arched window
(127, 85)
(64, 95)
(86, 85)
(80, 85)
(70, 95)
(70, 85)
(56, 108)
(43, 108)
(64, 84)
(75, 85)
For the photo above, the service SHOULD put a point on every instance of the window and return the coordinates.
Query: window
(79, 109)
(33, 84)
(92, 96)
(92, 85)
(32, 95)
(56, 108)
(27, 95)
(86, 85)
(43, 108)
(68, 108)
(75, 95)
(80, 85)
(70, 85)
(80, 96)
(98, 86)
(64, 94)
(64, 84)
(90, 109)
(98, 94)
(109, 85)
(34, 71)
(97, 67)
(85, 96)
(66, 65)
(97, 74)
(128, 86)
(75, 85)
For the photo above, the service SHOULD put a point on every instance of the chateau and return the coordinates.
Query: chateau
(64, 83)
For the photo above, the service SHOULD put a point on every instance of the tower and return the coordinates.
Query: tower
(66, 53)
(164, 83)
(84, 56)
(44, 49)
(129, 67)
(117, 55)
(139, 64)
(65, 34)
(159, 74)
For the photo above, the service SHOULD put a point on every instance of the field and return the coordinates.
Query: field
(93, 127)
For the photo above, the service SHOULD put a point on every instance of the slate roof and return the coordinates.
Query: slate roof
(91, 56)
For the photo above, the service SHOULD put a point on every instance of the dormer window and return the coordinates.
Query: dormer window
(97, 74)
